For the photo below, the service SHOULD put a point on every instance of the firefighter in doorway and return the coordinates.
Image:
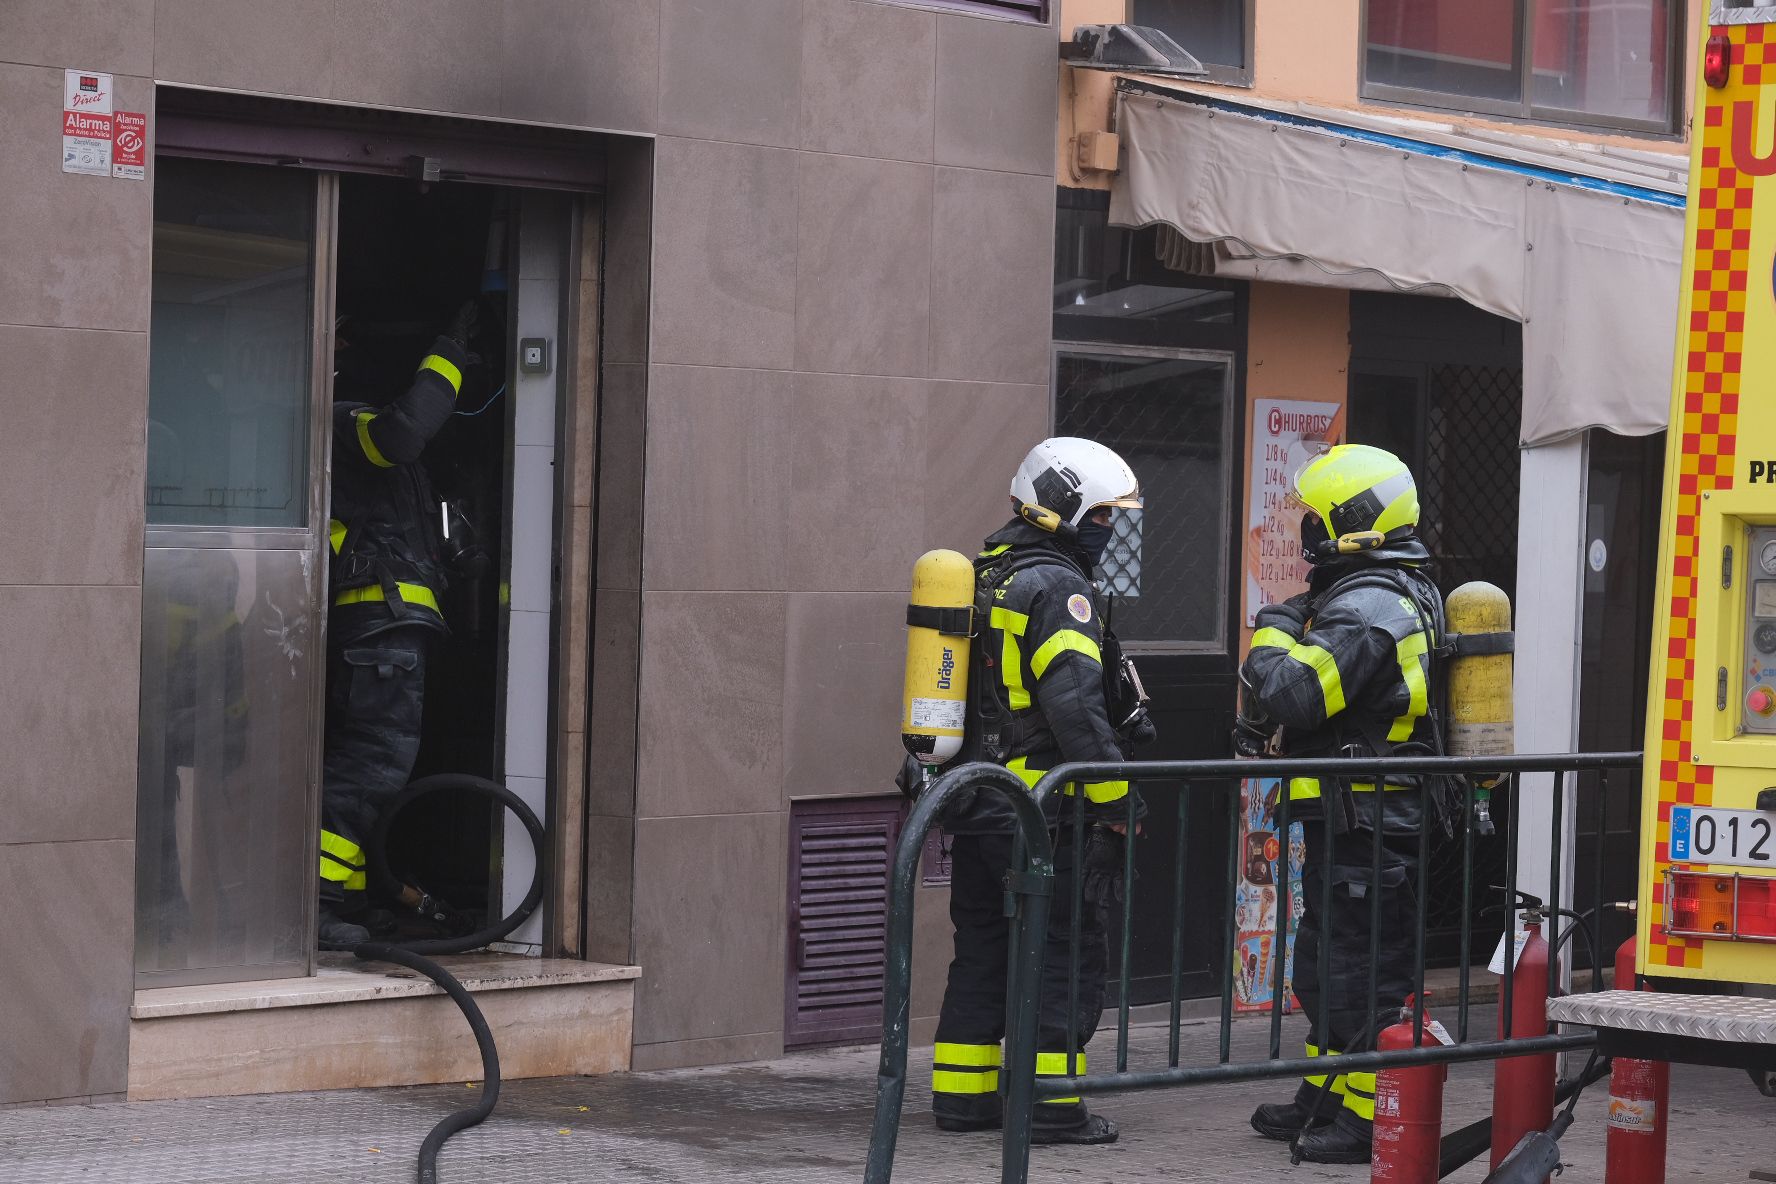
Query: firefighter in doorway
(387, 574)
(1048, 688)
(1345, 670)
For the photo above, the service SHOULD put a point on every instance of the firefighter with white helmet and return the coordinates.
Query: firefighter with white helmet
(1345, 670)
(1039, 696)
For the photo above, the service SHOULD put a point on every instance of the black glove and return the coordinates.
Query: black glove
(1101, 867)
(1137, 731)
(1290, 616)
(462, 325)
(1252, 739)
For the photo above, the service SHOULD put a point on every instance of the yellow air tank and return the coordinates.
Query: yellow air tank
(1479, 615)
(940, 621)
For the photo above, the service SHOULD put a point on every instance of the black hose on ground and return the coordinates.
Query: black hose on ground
(1475, 1139)
(413, 954)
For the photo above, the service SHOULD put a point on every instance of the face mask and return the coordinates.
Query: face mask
(1314, 539)
(1094, 540)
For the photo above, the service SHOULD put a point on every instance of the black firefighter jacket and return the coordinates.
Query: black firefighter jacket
(1041, 656)
(1353, 679)
(387, 570)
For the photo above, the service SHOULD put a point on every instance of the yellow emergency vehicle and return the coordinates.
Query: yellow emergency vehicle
(1707, 906)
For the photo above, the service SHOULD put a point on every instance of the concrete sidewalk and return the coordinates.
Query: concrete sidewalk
(798, 1119)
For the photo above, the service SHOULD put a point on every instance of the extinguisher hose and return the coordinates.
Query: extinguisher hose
(1474, 1140)
(412, 954)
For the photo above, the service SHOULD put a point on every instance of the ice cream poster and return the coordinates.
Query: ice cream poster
(1257, 894)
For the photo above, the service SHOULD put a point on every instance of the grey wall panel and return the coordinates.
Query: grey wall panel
(71, 481)
(731, 71)
(79, 34)
(68, 907)
(67, 750)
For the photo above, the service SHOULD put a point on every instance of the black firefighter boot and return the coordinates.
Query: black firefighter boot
(1069, 1123)
(1347, 1139)
(1311, 1107)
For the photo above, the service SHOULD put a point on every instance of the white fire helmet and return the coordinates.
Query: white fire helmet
(1073, 477)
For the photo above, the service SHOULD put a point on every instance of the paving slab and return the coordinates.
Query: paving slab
(795, 1120)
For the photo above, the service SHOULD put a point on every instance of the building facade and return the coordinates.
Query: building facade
(778, 268)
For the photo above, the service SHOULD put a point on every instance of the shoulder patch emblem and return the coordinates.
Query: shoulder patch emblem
(1079, 607)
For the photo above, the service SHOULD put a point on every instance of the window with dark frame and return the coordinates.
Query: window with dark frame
(1607, 63)
(1035, 10)
(1217, 32)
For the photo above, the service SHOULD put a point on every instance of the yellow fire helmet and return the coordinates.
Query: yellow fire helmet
(1363, 496)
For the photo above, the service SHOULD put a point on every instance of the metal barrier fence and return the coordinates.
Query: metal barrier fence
(1030, 883)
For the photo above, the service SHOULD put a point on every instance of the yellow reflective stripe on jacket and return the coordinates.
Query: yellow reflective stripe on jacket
(1273, 637)
(973, 1056)
(371, 452)
(1011, 661)
(1095, 791)
(336, 534)
(1325, 667)
(1001, 549)
(1061, 642)
(1412, 674)
(411, 593)
(1307, 789)
(342, 862)
(445, 367)
(982, 1081)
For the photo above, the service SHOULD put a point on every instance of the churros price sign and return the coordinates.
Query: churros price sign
(1286, 434)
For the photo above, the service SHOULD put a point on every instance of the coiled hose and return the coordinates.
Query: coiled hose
(412, 954)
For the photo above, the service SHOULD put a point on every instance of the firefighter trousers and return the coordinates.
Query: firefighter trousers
(375, 705)
(1349, 932)
(965, 1073)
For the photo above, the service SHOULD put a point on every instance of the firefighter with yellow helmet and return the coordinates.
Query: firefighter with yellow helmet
(1345, 670)
(1045, 688)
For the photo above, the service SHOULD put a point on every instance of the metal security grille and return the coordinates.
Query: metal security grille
(1167, 413)
(1468, 488)
(838, 883)
(1468, 477)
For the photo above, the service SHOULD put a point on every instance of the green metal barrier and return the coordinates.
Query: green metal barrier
(1027, 903)
(1027, 895)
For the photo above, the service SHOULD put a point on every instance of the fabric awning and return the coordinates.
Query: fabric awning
(1589, 265)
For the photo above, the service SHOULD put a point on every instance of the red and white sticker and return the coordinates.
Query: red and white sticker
(1633, 1114)
(86, 122)
(1079, 607)
(129, 145)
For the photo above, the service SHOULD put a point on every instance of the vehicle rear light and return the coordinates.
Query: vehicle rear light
(1717, 61)
(1757, 908)
(1722, 906)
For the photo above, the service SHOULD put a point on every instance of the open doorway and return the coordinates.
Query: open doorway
(409, 256)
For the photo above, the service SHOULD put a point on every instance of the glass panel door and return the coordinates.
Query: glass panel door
(231, 612)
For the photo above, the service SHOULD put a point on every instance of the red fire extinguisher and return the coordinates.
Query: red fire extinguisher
(1408, 1110)
(1523, 1087)
(1639, 1094)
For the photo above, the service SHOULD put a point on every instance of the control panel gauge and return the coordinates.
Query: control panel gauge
(1767, 557)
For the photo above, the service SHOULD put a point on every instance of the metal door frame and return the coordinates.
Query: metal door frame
(1231, 416)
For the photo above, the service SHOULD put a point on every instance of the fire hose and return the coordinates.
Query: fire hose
(413, 954)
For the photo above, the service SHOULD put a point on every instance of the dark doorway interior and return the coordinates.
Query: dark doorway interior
(1624, 486)
(1440, 384)
(408, 256)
